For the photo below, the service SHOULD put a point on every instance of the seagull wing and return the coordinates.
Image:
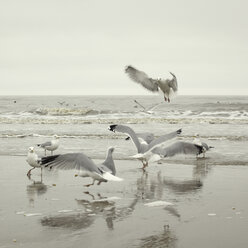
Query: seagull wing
(179, 147)
(164, 138)
(69, 161)
(141, 78)
(46, 144)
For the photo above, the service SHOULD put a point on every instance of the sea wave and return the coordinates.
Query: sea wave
(112, 136)
(118, 119)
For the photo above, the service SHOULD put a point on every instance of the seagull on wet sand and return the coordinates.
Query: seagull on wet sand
(87, 168)
(33, 160)
(50, 145)
(180, 147)
(142, 146)
(167, 86)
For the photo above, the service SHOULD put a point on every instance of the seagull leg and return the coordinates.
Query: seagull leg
(41, 174)
(29, 172)
(168, 99)
(99, 183)
(88, 185)
(165, 98)
(144, 166)
(88, 193)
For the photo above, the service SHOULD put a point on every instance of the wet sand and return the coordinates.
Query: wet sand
(209, 207)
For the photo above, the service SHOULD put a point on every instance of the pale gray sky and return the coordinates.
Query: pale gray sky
(83, 46)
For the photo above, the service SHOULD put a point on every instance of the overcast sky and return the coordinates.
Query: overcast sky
(82, 46)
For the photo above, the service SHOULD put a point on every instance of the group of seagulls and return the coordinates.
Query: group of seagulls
(149, 148)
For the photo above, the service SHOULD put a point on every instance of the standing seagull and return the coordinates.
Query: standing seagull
(87, 168)
(33, 160)
(167, 86)
(50, 145)
(143, 147)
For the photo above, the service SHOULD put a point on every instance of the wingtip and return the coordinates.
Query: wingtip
(179, 131)
(128, 67)
(112, 128)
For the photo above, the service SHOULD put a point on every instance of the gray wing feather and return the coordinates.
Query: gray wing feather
(141, 78)
(179, 147)
(147, 137)
(163, 138)
(173, 84)
(48, 143)
(70, 161)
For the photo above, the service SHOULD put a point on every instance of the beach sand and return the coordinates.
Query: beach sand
(171, 205)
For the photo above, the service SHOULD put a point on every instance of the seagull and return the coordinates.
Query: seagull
(167, 86)
(143, 147)
(33, 160)
(50, 145)
(180, 147)
(87, 168)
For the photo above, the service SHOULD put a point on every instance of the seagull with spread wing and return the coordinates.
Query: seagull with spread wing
(167, 86)
(87, 168)
(144, 148)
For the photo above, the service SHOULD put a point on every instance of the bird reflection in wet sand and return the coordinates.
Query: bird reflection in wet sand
(72, 221)
(153, 189)
(107, 209)
(37, 188)
(184, 186)
(166, 239)
(101, 207)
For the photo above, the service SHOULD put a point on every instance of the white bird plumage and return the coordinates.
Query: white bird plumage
(33, 160)
(50, 145)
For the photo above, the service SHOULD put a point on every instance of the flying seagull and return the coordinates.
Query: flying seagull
(87, 168)
(33, 160)
(50, 145)
(143, 147)
(167, 86)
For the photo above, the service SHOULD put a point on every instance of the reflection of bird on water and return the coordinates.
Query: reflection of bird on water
(86, 167)
(153, 189)
(184, 186)
(36, 188)
(102, 207)
(143, 148)
(168, 86)
(72, 221)
(33, 160)
(106, 207)
(165, 239)
(50, 145)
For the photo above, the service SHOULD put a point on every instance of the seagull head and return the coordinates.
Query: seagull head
(196, 135)
(111, 149)
(31, 149)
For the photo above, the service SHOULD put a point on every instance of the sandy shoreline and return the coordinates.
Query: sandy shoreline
(209, 207)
